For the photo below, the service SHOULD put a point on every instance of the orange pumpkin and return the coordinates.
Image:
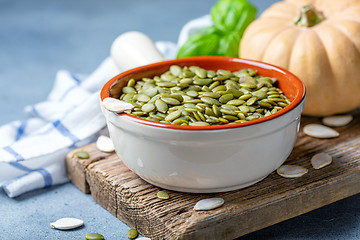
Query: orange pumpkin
(317, 40)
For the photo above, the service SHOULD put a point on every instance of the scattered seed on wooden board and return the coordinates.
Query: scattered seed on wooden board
(162, 195)
(321, 160)
(116, 105)
(105, 144)
(320, 131)
(291, 171)
(94, 236)
(82, 154)
(208, 204)
(67, 223)
(337, 121)
(132, 233)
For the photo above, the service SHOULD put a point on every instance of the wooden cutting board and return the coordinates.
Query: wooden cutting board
(268, 202)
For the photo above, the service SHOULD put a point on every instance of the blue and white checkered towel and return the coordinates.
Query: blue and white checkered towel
(32, 152)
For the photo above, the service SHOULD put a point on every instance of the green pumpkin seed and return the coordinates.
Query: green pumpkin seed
(132, 234)
(244, 109)
(180, 122)
(219, 88)
(202, 82)
(171, 101)
(245, 96)
(210, 94)
(225, 98)
(162, 195)
(199, 124)
(131, 83)
(201, 73)
(192, 93)
(128, 89)
(161, 106)
(228, 111)
(235, 92)
(211, 74)
(148, 107)
(214, 84)
(82, 154)
(236, 102)
(94, 236)
(216, 110)
(211, 101)
(175, 70)
(259, 94)
(143, 98)
(173, 116)
(151, 91)
(251, 101)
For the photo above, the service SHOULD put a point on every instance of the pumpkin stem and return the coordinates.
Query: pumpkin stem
(309, 16)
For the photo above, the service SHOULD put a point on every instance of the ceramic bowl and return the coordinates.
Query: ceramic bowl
(208, 158)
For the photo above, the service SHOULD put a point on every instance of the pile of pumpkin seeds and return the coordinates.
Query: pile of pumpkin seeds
(197, 97)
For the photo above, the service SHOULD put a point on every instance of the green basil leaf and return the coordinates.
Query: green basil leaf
(229, 45)
(233, 15)
(200, 45)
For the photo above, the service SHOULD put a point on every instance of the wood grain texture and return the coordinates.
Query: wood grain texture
(268, 202)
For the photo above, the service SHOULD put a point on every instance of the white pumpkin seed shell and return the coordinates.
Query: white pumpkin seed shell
(337, 121)
(105, 144)
(320, 131)
(291, 171)
(67, 223)
(321, 160)
(208, 204)
(116, 105)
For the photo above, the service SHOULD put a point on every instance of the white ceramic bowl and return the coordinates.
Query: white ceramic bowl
(212, 158)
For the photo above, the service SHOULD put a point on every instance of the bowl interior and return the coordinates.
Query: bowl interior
(292, 87)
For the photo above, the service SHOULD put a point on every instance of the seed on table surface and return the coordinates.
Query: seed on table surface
(337, 121)
(321, 160)
(94, 236)
(291, 171)
(162, 195)
(208, 204)
(67, 223)
(105, 144)
(116, 105)
(82, 154)
(320, 131)
(132, 234)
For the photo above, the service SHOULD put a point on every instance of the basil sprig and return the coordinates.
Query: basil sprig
(230, 19)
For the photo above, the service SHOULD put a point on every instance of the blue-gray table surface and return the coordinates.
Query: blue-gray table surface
(40, 37)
